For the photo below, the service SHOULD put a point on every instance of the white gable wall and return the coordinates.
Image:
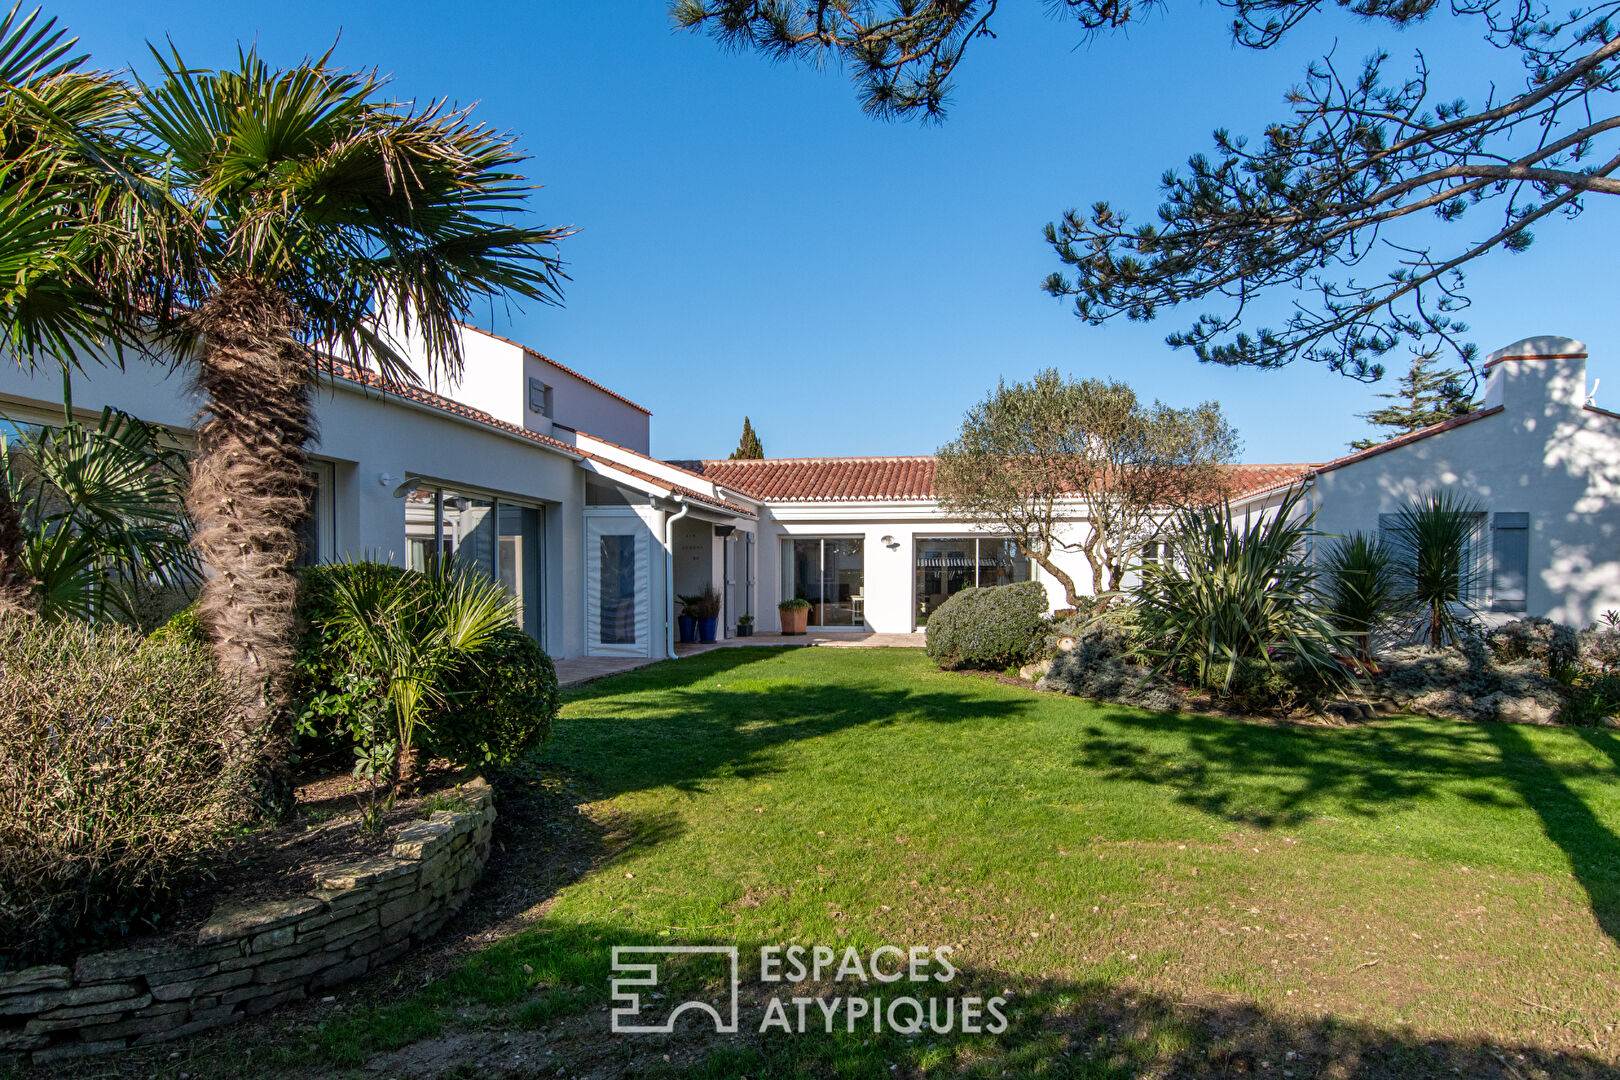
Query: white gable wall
(1545, 454)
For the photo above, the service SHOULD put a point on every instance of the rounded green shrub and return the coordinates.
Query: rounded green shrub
(988, 628)
(335, 701)
(499, 707)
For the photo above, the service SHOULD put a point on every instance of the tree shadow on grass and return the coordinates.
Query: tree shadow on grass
(1270, 776)
(545, 996)
(638, 731)
(1591, 846)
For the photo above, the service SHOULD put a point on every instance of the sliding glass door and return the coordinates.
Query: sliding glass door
(947, 565)
(500, 539)
(829, 572)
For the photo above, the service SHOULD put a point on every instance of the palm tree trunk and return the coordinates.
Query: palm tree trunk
(249, 494)
(16, 584)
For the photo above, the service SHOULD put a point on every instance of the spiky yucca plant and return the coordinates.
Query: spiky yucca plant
(1438, 578)
(1229, 592)
(1359, 587)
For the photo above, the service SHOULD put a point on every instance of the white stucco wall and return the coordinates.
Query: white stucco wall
(889, 583)
(586, 408)
(1545, 453)
(366, 435)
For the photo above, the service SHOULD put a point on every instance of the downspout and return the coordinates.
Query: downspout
(669, 572)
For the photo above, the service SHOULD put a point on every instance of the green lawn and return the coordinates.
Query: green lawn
(1163, 895)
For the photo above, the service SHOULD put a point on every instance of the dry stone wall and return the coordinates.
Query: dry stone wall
(251, 958)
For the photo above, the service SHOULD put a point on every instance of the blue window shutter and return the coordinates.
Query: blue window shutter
(1510, 561)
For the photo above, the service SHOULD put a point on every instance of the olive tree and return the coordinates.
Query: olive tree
(1034, 458)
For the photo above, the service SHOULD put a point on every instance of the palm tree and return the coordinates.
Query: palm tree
(312, 202)
(74, 214)
(102, 512)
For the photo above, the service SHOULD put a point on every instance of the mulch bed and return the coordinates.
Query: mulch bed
(328, 825)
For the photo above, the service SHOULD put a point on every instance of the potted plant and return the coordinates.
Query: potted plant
(745, 626)
(795, 615)
(688, 619)
(704, 611)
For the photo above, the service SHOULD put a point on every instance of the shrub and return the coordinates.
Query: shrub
(116, 777)
(1593, 699)
(1552, 645)
(1359, 588)
(1599, 647)
(185, 627)
(389, 654)
(1099, 667)
(337, 703)
(988, 628)
(499, 706)
(1467, 682)
(1260, 689)
(1229, 594)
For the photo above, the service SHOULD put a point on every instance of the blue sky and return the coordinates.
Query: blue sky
(750, 243)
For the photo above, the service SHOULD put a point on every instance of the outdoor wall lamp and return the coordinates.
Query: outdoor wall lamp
(890, 542)
(406, 489)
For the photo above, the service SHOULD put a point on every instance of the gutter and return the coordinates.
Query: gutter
(669, 572)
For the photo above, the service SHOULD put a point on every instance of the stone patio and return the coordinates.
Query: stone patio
(583, 669)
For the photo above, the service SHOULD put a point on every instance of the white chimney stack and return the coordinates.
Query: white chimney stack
(1538, 376)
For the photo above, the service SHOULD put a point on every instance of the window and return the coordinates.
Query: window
(947, 565)
(540, 399)
(831, 574)
(1510, 561)
(1475, 570)
(499, 539)
(315, 534)
(617, 570)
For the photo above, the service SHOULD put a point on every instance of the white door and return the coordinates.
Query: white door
(618, 587)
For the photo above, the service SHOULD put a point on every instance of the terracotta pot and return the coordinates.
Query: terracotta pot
(794, 620)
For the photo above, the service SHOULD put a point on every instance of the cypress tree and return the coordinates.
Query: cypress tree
(748, 447)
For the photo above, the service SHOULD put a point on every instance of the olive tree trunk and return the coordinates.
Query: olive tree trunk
(249, 494)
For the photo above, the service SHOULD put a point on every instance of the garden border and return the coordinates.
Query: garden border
(251, 958)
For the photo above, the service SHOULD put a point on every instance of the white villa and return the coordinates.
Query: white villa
(545, 478)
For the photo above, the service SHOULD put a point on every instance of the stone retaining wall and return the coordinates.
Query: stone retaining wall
(253, 957)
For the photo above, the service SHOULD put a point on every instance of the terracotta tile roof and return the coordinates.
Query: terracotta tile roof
(885, 479)
(559, 367)
(372, 381)
(889, 479)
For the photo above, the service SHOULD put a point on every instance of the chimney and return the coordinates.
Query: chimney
(1538, 376)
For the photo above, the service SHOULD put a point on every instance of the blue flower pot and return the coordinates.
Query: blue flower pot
(707, 629)
(688, 628)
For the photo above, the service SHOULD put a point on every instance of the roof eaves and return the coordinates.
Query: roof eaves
(368, 380)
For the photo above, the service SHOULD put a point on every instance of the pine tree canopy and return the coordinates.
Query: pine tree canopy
(748, 447)
(1424, 397)
(1326, 207)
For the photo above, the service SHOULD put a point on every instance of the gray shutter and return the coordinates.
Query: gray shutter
(1510, 561)
(1386, 524)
